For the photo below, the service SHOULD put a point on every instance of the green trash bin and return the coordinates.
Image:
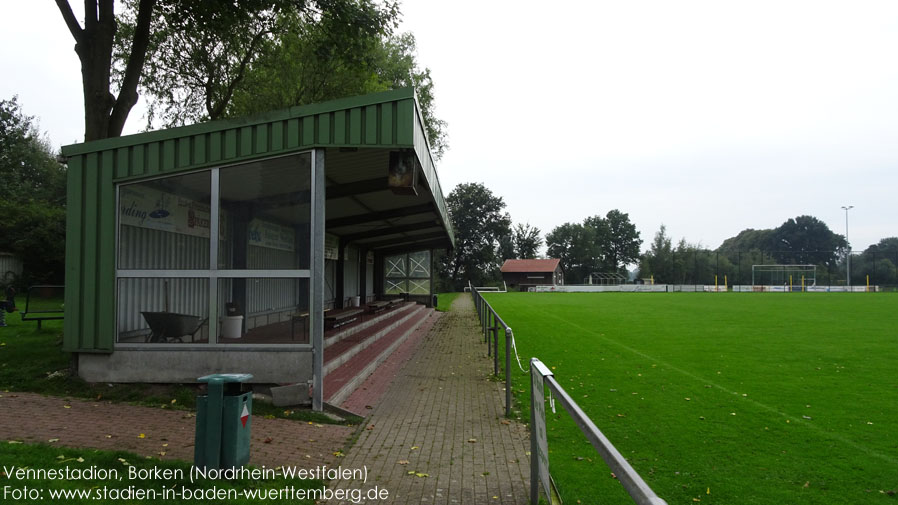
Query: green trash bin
(223, 422)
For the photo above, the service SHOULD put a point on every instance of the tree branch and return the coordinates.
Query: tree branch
(127, 96)
(90, 14)
(241, 70)
(69, 17)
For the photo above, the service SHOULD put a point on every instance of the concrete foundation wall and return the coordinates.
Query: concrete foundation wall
(173, 366)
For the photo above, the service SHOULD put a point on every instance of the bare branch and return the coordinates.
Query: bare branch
(128, 94)
(70, 20)
(90, 14)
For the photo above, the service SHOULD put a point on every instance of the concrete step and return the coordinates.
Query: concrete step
(342, 380)
(347, 347)
(332, 337)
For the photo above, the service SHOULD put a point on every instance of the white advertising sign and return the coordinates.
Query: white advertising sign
(157, 210)
(270, 235)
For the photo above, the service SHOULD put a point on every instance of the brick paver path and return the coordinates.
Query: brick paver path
(29, 417)
(443, 418)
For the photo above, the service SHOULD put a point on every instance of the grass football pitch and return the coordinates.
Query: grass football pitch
(719, 398)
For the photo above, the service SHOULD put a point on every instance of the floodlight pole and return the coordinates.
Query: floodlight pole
(848, 253)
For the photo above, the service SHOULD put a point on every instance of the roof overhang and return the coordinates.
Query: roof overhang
(358, 135)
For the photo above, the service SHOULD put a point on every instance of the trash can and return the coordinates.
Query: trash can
(223, 422)
(233, 327)
(356, 301)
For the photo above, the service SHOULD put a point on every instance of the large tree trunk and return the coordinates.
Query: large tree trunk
(104, 114)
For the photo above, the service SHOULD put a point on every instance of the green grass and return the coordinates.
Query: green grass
(755, 398)
(444, 301)
(32, 360)
(44, 457)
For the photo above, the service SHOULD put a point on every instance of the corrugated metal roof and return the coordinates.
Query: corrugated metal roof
(538, 265)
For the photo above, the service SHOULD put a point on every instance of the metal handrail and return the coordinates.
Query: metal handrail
(641, 493)
(490, 322)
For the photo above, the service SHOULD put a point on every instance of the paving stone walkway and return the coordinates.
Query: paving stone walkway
(438, 435)
(432, 411)
(167, 434)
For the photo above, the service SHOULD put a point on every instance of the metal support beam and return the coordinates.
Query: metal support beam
(356, 188)
(339, 284)
(316, 305)
(436, 244)
(380, 216)
(391, 230)
(406, 239)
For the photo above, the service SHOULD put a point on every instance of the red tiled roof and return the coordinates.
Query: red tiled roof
(548, 265)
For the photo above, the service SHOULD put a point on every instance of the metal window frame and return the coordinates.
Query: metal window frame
(213, 274)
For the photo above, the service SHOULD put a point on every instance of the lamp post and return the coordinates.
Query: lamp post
(848, 253)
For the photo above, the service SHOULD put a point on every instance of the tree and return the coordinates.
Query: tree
(480, 222)
(526, 241)
(621, 241)
(191, 58)
(32, 197)
(807, 240)
(104, 112)
(658, 262)
(305, 65)
(575, 245)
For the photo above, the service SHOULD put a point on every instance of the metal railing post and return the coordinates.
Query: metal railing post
(489, 329)
(534, 458)
(508, 371)
(496, 350)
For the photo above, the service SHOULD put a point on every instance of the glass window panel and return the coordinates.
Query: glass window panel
(419, 264)
(395, 266)
(164, 223)
(419, 286)
(168, 311)
(395, 286)
(265, 214)
(263, 311)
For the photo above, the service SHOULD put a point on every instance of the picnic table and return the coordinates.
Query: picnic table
(171, 326)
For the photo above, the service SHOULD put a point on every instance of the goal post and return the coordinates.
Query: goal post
(780, 275)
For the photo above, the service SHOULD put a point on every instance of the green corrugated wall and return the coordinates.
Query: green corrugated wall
(387, 120)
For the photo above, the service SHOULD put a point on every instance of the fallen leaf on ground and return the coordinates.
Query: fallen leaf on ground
(506, 421)
(414, 447)
(472, 440)
(268, 440)
(53, 440)
(403, 461)
(142, 435)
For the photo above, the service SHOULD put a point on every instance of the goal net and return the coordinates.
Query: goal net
(783, 275)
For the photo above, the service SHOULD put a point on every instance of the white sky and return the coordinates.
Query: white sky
(707, 116)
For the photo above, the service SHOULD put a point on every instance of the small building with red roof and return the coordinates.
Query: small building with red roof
(524, 274)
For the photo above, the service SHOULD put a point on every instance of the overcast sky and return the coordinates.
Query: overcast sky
(707, 116)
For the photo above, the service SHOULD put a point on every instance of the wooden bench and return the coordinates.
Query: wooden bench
(396, 301)
(46, 305)
(339, 317)
(378, 306)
